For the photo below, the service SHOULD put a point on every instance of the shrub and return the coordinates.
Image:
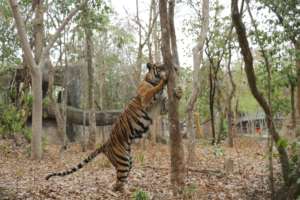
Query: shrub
(141, 195)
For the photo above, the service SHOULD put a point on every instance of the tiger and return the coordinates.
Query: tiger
(131, 124)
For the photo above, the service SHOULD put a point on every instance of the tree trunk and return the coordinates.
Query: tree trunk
(197, 60)
(297, 49)
(293, 113)
(37, 114)
(211, 103)
(248, 59)
(91, 98)
(140, 48)
(156, 128)
(38, 32)
(36, 78)
(176, 146)
(155, 35)
(230, 113)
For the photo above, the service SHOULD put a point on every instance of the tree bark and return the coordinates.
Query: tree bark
(212, 89)
(230, 113)
(176, 147)
(91, 98)
(197, 60)
(297, 49)
(293, 113)
(248, 59)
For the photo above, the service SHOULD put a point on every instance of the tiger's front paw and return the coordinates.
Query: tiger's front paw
(178, 92)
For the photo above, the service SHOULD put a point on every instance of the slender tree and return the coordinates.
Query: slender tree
(170, 59)
(197, 61)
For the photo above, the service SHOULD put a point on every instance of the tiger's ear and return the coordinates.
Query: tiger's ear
(149, 66)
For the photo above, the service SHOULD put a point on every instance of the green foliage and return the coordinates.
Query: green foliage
(294, 148)
(282, 143)
(141, 195)
(140, 157)
(190, 191)
(10, 120)
(94, 15)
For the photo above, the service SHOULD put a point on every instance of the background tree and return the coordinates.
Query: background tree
(288, 17)
(36, 74)
(197, 61)
(216, 51)
(248, 59)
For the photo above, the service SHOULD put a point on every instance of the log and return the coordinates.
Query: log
(76, 116)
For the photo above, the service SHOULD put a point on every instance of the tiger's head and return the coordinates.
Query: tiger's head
(155, 73)
(151, 88)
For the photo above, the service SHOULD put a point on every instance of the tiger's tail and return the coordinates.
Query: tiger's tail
(80, 165)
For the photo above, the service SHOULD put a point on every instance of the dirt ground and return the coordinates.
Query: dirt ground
(22, 178)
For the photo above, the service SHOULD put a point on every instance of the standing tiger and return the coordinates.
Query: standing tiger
(132, 123)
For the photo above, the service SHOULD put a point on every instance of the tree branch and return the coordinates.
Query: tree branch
(23, 36)
(59, 30)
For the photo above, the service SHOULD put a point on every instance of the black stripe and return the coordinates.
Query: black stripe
(121, 157)
(121, 163)
(123, 170)
(122, 178)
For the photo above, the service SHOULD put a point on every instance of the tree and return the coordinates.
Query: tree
(216, 51)
(170, 59)
(290, 186)
(36, 74)
(90, 69)
(197, 61)
(230, 113)
(288, 17)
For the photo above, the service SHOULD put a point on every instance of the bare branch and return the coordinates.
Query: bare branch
(60, 29)
(23, 36)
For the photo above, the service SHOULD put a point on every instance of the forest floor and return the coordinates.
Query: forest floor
(23, 178)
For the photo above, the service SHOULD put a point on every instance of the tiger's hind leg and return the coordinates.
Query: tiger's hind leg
(122, 177)
(121, 183)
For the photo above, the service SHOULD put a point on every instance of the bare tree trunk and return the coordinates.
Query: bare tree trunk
(176, 146)
(100, 79)
(140, 46)
(293, 114)
(156, 128)
(36, 78)
(197, 60)
(91, 98)
(248, 59)
(37, 113)
(156, 41)
(297, 49)
(211, 103)
(38, 32)
(230, 113)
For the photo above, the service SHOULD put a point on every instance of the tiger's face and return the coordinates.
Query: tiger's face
(155, 73)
